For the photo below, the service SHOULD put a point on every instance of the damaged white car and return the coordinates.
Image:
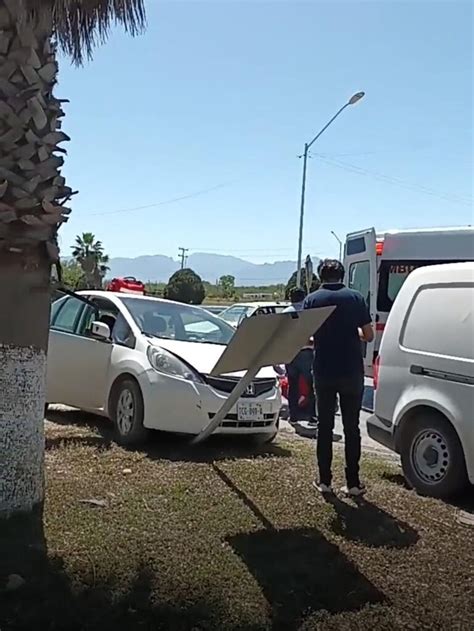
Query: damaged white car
(145, 363)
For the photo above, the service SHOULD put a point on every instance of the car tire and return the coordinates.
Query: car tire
(128, 413)
(46, 408)
(432, 456)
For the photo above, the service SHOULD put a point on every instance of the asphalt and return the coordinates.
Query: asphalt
(305, 431)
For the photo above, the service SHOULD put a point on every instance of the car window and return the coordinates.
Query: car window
(68, 315)
(197, 327)
(106, 311)
(56, 307)
(122, 333)
(234, 315)
(168, 320)
(359, 278)
(440, 321)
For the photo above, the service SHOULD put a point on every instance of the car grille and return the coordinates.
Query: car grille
(231, 421)
(227, 384)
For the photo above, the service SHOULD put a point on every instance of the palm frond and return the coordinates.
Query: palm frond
(81, 25)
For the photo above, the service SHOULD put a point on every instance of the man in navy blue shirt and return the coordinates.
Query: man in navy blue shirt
(339, 370)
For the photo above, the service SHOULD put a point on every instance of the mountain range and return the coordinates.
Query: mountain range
(158, 268)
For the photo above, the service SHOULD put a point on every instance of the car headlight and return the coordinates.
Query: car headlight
(168, 364)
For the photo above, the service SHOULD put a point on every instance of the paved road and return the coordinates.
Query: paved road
(367, 443)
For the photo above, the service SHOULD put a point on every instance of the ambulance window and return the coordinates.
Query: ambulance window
(397, 275)
(359, 278)
(355, 246)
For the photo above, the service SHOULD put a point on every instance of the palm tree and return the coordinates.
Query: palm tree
(33, 204)
(89, 253)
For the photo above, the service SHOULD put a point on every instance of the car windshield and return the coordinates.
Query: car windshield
(234, 315)
(172, 321)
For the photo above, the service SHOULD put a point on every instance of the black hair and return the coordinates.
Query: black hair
(331, 271)
(297, 294)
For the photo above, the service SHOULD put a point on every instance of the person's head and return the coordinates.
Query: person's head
(331, 271)
(297, 294)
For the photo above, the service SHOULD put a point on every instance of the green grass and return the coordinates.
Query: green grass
(221, 537)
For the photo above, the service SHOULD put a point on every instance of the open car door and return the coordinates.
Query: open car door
(360, 262)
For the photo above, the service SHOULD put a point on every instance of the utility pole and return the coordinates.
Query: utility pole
(183, 256)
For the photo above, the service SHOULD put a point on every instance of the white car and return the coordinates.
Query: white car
(424, 379)
(145, 363)
(238, 312)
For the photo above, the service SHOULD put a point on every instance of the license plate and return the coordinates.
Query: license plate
(250, 412)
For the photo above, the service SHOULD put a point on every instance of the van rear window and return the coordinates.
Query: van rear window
(451, 332)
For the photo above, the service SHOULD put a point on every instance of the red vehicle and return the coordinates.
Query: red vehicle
(127, 285)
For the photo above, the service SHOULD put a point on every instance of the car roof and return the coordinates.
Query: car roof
(102, 293)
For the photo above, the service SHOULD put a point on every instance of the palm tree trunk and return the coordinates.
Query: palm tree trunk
(24, 315)
(30, 185)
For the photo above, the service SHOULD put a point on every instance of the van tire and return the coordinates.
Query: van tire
(129, 429)
(430, 435)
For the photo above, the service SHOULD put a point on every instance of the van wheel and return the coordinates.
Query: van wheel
(432, 456)
(128, 412)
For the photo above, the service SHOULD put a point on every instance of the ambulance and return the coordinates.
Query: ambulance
(377, 265)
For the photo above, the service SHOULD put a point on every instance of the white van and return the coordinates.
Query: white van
(424, 379)
(378, 263)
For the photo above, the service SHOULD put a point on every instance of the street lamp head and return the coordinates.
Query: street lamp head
(356, 97)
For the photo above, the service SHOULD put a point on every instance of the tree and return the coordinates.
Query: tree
(89, 254)
(185, 286)
(72, 275)
(227, 285)
(291, 284)
(33, 198)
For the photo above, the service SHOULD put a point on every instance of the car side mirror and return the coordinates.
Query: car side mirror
(100, 330)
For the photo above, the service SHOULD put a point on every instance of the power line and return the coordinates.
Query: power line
(165, 202)
(207, 250)
(352, 168)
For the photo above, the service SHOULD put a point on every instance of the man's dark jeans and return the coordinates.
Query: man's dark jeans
(350, 391)
(302, 365)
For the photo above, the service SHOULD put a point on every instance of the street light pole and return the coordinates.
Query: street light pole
(354, 98)
(340, 244)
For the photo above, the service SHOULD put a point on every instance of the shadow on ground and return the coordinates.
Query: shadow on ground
(298, 569)
(301, 572)
(49, 600)
(464, 501)
(363, 522)
(161, 445)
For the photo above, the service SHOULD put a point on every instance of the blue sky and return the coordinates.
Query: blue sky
(214, 103)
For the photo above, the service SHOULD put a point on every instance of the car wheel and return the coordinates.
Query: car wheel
(128, 412)
(432, 456)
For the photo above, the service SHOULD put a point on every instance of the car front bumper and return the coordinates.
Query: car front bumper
(181, 406)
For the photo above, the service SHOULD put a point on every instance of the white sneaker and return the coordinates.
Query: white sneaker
(354, 491)
(324, 489)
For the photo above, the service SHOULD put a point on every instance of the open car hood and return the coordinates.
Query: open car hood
(201, 356)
